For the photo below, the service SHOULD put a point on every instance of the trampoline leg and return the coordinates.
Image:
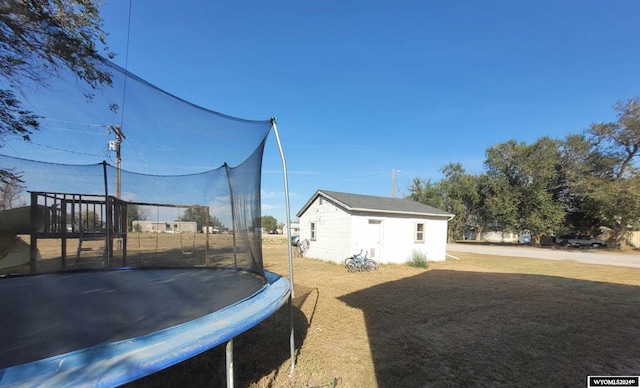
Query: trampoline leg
(292, 342)
(229, 353)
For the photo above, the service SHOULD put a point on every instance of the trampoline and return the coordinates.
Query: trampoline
(105, 328)
(88, 300)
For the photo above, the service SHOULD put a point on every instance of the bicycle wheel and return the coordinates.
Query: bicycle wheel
(371, 265)
(346, 261)
(352, 266)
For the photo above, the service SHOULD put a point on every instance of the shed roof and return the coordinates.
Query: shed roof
(374, 204)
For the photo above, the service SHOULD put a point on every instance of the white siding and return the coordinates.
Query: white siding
(397, 237)
(333, 231)
(500, 237)
(633, 239)
(388, 238)
(436, 237)
(165, 226)
(295, 228)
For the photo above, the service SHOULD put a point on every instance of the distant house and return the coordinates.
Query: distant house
(502, 237)
(633, 239)
(338, 225)
(524, 237)
(165, 226)
(295, 228)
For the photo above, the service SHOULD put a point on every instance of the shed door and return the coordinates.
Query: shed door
(374, 238)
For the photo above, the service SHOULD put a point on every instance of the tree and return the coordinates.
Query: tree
(578, 161)
(619, 142)
(456, 193)
(37, 40)
(199, 216)
(216, 223)
(269, 223)
(612, 183)
(10, 191)
(88, 220)
(136, 213)
(426, 192)
(523, 190)
(580, 184)
(460, 196)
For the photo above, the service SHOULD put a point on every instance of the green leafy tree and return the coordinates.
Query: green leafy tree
(269, 223)
(199, 216)
(460, 197)
(39, 38)
(578, 162)
(426, 192)
(523, 189)
(580, 184)
(88, 220)
(136, 213)
(216, 223)
(611, 184)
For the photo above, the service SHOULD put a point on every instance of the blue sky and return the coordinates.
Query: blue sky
(363, 87)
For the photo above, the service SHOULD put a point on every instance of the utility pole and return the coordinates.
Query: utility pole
(115, 146)
(393, 182)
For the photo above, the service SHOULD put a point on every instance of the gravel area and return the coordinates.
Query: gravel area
(589, 256)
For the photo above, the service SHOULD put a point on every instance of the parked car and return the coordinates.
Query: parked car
(579, 240)
(524, 237)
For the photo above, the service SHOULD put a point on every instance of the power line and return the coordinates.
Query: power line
(138, 153)
(77, 131)
(126, 64)
(75, 122)
(69, 151)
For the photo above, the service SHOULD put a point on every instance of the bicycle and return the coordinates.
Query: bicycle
(358, 263)
(303, 247)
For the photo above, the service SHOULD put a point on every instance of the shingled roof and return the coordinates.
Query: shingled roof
(370, 203)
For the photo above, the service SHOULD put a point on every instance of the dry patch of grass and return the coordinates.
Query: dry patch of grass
(480, 321)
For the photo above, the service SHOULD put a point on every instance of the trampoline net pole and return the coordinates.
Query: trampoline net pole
(229, 363)
(289, 249)
(206, 243)
(107, 238)
(233, 216)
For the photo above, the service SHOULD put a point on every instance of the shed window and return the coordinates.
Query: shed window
(419, 232)
(313, 231)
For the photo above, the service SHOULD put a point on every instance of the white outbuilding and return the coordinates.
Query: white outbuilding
(338, 225)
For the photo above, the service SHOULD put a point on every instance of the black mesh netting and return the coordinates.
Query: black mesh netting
(187, 192)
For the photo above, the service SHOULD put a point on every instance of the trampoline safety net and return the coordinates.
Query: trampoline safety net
(128, 175)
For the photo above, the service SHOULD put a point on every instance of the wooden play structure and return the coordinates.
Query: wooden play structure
(84, 217)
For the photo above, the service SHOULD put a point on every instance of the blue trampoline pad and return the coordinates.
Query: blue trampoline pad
(109, 327)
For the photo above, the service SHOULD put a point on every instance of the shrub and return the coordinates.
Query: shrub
(418, 259)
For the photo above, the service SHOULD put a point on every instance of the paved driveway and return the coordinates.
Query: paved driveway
(589, 256)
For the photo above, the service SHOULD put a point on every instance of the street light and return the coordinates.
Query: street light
(393, 182)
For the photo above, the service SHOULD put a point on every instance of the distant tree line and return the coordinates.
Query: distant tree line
(576, 184)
